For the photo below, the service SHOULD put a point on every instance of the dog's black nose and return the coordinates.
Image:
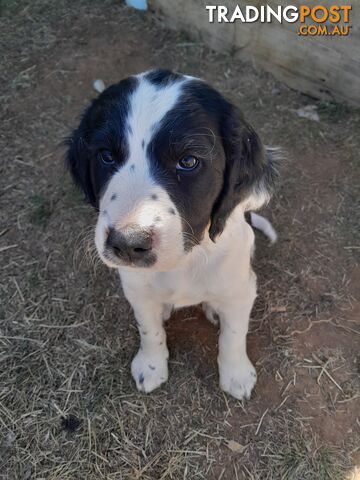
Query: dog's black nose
(131, 243)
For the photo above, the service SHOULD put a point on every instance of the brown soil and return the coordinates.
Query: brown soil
(67, 335)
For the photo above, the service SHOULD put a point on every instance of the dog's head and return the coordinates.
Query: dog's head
(165, 159)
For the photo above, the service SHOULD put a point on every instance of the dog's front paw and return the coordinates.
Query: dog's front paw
(149, 371)
(237, 380)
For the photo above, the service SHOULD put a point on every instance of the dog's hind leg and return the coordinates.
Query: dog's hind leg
(210, 313)
(167, 311)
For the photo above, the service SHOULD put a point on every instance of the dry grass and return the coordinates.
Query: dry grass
(68, 406)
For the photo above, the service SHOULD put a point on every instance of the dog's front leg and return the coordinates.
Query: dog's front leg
(236, 372)
(149, 367)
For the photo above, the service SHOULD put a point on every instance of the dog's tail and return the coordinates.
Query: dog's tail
(262, 224)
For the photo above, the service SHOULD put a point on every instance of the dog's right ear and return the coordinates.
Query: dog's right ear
(78, 161)
(250, 170)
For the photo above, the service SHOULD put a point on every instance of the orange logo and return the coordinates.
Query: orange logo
(319, 14)
(314, 20)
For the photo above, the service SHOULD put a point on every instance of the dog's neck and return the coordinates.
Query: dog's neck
(208, 250)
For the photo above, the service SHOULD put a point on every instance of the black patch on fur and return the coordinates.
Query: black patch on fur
(161, 77)
(132, 168)
(190, 128)
(141, 378)
(233, 161)
(102, 127)
(157, 219)
(152, 367)
(143, 144)
(70, 423)
(154, 196)
(172, 211)
(250, 169)
(113, 197)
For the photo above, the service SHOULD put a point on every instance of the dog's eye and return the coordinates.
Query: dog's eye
(187, 163)
(106, 157)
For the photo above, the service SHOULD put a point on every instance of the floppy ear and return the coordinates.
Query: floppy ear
(78, 163)
(250, 171)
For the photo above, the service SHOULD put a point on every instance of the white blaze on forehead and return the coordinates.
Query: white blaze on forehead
(132, 185)
(149, 104)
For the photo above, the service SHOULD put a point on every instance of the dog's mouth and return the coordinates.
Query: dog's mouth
(119, 258)
(145, 247)
(131, 245)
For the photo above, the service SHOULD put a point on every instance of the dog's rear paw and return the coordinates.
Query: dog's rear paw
(210, 313)
(149, 371)
(238, 381)
(167, 311)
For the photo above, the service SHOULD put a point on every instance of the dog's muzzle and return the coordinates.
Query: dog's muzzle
(132, 245)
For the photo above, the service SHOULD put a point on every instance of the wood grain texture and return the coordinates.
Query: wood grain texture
(322, 66)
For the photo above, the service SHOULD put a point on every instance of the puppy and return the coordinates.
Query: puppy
(172, 167)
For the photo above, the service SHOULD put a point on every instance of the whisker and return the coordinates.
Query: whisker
(184, 220)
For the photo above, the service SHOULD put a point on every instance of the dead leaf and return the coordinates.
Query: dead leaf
(235, 446)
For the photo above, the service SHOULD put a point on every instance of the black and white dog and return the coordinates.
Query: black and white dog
(172, 167)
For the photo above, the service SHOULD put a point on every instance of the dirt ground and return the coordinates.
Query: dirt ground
(68, 405)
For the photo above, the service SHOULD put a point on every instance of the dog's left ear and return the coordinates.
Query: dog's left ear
(78, 163)
(250, 171)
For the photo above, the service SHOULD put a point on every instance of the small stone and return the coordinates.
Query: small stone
(309, 112)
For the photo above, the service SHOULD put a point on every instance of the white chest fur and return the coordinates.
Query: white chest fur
(210, 271)
(218, 274)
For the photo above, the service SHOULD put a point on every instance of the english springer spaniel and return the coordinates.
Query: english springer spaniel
(172, 168)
